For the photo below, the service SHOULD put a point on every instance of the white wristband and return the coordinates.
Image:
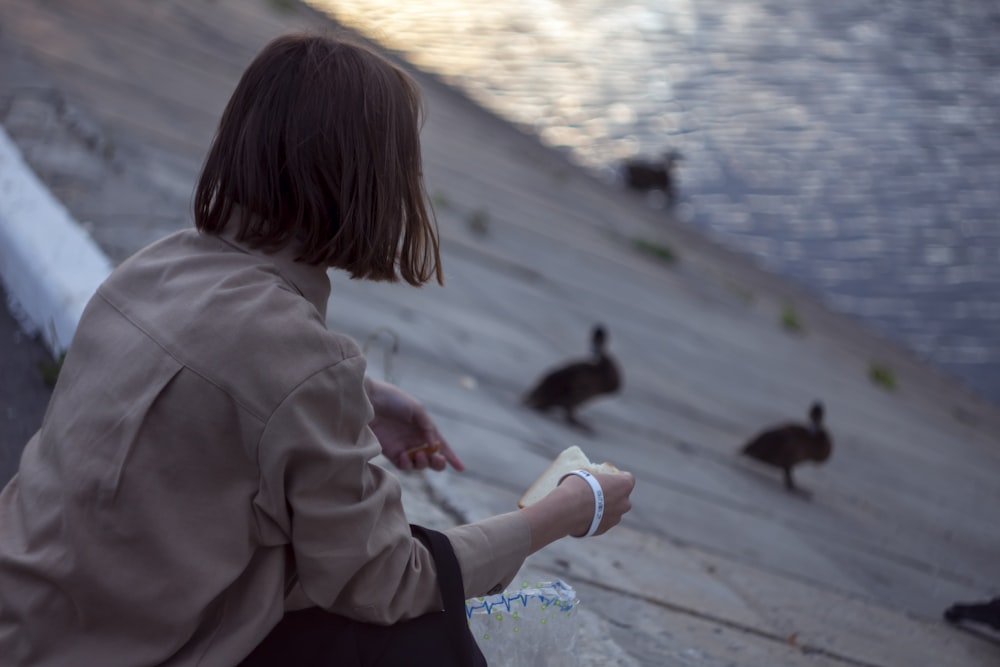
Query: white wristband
(595, 486)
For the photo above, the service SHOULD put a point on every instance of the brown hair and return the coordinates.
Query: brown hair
(320, 145)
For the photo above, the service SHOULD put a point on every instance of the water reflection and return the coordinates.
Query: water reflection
(851, 145)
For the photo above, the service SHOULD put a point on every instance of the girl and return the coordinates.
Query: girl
(201, 490)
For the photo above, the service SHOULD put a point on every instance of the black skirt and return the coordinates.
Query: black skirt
(316, 638)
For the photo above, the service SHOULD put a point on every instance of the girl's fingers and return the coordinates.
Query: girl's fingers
(439, 462)
(419, 459)
(404, 462)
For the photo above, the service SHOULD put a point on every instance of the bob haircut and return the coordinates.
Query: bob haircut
(319, 149)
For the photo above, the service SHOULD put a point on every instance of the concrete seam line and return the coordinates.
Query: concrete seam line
(49, 265)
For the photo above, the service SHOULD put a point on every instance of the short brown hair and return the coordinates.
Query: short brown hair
(320, 145)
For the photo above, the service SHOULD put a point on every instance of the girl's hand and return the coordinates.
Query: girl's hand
(406, 432)
(569, 508)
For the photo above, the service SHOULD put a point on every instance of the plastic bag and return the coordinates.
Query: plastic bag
(534, 626)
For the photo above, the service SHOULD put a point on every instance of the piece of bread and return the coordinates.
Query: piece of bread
(571, 458)
(428, 448)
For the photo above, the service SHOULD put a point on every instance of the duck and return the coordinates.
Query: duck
(787, 445)
(577, 381)
(987, 613)
(643, 175)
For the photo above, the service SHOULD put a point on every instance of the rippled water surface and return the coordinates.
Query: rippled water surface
(851, 145)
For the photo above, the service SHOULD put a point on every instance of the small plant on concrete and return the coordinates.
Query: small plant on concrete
(790, 320)
(283, 5)
(882, 375)
(50, 369)
(654, 249)
(740, 291)
(479, 221)
(440, 200)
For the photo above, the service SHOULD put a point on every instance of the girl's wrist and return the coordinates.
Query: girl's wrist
(567, 510)
(598, 495)
(581, 503)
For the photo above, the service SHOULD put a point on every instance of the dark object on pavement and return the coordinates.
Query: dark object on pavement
(987, 613)
(646, 175)
(788, 445)
(577, 382)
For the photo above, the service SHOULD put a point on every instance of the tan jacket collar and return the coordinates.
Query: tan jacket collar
(310, 280)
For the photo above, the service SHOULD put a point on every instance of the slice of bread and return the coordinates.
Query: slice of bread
(571, 458)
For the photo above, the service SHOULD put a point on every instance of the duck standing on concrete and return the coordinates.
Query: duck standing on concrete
(788, 445)
(573, 384)
(644, 175)
(987, 613)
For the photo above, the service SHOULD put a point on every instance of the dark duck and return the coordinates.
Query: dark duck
(987, 613)
(788, 445)
(577, 382)
(644, 175)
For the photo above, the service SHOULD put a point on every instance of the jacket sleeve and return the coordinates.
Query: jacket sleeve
(343, 515)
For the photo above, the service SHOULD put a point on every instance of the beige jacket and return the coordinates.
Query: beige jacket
(205, 454)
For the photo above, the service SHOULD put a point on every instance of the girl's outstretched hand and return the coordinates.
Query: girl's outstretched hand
(406, 432)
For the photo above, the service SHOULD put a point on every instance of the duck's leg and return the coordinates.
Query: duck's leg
(789, 482)
(792, 487)
(575, 421)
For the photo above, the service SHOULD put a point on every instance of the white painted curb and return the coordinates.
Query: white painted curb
(49, 265)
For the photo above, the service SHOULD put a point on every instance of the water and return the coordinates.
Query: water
(853, 146)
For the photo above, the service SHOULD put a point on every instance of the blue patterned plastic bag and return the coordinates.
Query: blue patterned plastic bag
(534, 626)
